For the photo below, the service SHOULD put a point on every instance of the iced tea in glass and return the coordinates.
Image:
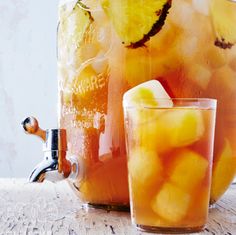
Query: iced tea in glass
(170, 152)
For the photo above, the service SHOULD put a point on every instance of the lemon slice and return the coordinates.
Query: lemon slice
(135, 21)
(223, 13)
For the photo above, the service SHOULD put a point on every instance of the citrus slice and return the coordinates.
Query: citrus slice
(135, 21)
(224, 20)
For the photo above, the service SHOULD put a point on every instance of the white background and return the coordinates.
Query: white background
(28, 80)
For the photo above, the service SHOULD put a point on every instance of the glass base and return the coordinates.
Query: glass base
(169, 230)
(125, 208)
(107, 207)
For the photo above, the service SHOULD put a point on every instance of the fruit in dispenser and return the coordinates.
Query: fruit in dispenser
(224, 20)
(128, 19)
(168, 41)
(224, 169)
(96, 186)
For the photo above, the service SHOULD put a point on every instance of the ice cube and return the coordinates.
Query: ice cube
(189, 170)
(199, 74)
(149, 93)
(215, 57)
(224, 78)
(232, 64)
(143, 99)
(201, 6)
(189, 20)
(145, 167)
(171, 203)
(182, 15)
(188, 46)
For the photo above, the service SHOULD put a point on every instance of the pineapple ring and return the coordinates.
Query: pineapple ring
(224, 20)
(72, 28)
(135, 21)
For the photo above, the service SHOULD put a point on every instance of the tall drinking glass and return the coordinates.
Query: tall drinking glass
(170, 152)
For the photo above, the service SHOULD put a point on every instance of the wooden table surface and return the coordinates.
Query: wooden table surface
(50, 209)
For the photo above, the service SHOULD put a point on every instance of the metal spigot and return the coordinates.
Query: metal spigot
(55, 166)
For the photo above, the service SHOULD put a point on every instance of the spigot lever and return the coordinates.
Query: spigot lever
(55, 165)
(31, 126)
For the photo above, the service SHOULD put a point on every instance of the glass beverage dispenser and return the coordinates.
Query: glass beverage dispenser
(106, 47)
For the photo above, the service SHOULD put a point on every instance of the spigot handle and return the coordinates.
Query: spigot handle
(31, 126)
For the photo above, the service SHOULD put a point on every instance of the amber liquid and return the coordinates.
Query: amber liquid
(94, 76)
(169, 159)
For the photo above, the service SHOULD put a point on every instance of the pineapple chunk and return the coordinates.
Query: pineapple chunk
(224, 20)
(135, 21)
(189, 170)
(162, 130)
(171, 203)
(152, 134)
(224, 170)
(141, 195)
(145, 167)
(182, 126)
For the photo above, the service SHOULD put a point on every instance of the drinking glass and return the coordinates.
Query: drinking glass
(169, 152)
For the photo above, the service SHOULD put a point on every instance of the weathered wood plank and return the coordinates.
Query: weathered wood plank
(50, 209)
